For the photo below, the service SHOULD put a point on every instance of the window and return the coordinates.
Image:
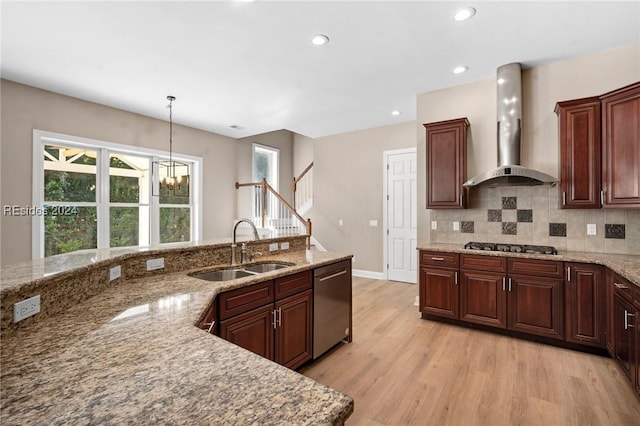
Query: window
(265, 166)
(95, 194)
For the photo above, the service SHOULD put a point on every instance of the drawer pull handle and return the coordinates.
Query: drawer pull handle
(621, 286)
(337, 274)
(456, 278)
(569, 273)
(503, 283)
(439, 259)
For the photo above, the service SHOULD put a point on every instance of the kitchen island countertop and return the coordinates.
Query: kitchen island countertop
(133, 354)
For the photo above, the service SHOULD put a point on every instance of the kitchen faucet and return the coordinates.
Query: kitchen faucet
(234, 260)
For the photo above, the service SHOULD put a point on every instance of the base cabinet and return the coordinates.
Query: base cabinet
(273, 319)
(624, 352)
(293, 330)
(492, 295)
(584, 304)
(535, 305)
(439, 292)
(252, 330)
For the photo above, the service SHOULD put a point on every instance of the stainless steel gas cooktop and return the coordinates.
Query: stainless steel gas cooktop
(512, 248)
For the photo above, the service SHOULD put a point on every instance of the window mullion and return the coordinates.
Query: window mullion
(154, 204)
(102, 182)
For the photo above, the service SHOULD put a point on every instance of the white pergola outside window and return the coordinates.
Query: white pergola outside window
(100, 194)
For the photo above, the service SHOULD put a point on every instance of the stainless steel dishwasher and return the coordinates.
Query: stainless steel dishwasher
(331, 306)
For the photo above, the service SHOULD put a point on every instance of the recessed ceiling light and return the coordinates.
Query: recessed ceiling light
(460, 69)
(464, 13)
(396, 112)
(319, 39)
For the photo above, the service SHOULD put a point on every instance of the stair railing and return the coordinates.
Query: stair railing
(302, 187)
(272, 211)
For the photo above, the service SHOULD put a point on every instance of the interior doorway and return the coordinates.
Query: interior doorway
(400, 215)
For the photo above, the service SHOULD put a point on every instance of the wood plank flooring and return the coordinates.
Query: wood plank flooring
(401, 369)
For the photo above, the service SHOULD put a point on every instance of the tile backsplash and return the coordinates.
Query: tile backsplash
(532, 215)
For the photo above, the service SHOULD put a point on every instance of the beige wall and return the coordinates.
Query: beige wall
(302, 153)
(26, 108)
(348, 173)
(280, 139)
(543, 86)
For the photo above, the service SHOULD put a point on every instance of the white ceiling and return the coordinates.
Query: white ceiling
(252, 65)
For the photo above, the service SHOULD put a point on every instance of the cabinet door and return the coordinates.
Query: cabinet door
(439, 292)
(637, 349)
(294, 327)
(608, 309)
(252, 330)
(535, 305)
(483, 298)
(624, 336)
(583, 304)
(580, 153)
(621, 146)
(446, 163)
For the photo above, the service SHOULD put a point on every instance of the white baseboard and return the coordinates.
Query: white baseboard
(367, 274)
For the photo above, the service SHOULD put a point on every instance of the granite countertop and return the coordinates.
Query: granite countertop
(626, 265)
(133, 354)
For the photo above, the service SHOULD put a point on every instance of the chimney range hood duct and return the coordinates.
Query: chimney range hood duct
(509, 171)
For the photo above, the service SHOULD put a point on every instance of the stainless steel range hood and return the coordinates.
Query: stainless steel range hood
(509, 170)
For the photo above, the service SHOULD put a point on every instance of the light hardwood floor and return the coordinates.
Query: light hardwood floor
(401, 369)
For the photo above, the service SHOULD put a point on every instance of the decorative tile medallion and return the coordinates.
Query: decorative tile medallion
(509, 228)
(466, 227)
(557, 229)
(509, 203)
(525, 215)
(614, 231)
(494, 215)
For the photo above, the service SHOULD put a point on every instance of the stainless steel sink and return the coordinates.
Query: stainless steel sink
(240, 271)
(223, 275)
(266, 267)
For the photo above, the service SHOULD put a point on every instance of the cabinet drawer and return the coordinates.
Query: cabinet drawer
(541, 268)
(483, 263)
(243, 299)
(438, 258)
(292, 284)
(623, 287)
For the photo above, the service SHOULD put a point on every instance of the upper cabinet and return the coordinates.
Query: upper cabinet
(600, 150)
(621, 147)
(580, 153)
(446, 163)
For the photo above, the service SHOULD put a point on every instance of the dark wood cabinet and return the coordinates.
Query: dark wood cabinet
(584, 304)
(438, 284)
(580, 148)
(621, 146)
(483, 299)
(439, 292)
(624, 346)
(273, 319)
(293, 329)
(609, 278)
(626, 312)
(446, 149)
(535, 305)
(251, 330)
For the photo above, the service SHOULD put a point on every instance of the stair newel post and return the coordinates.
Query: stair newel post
(294, 187)
(264, 201)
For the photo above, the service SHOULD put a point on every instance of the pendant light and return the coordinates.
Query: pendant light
(175, 174)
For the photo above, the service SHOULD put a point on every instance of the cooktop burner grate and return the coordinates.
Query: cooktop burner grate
(512, 248)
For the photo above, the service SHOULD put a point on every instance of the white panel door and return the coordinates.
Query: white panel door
(402, 258)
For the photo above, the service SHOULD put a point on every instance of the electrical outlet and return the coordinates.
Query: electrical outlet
(434, 225)
(340, 222)
(273, 247)
(284, 246)
(153, 264)
(591, 229)
(115, 273)
(456, 226)
(373, 223)
(26, 308)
